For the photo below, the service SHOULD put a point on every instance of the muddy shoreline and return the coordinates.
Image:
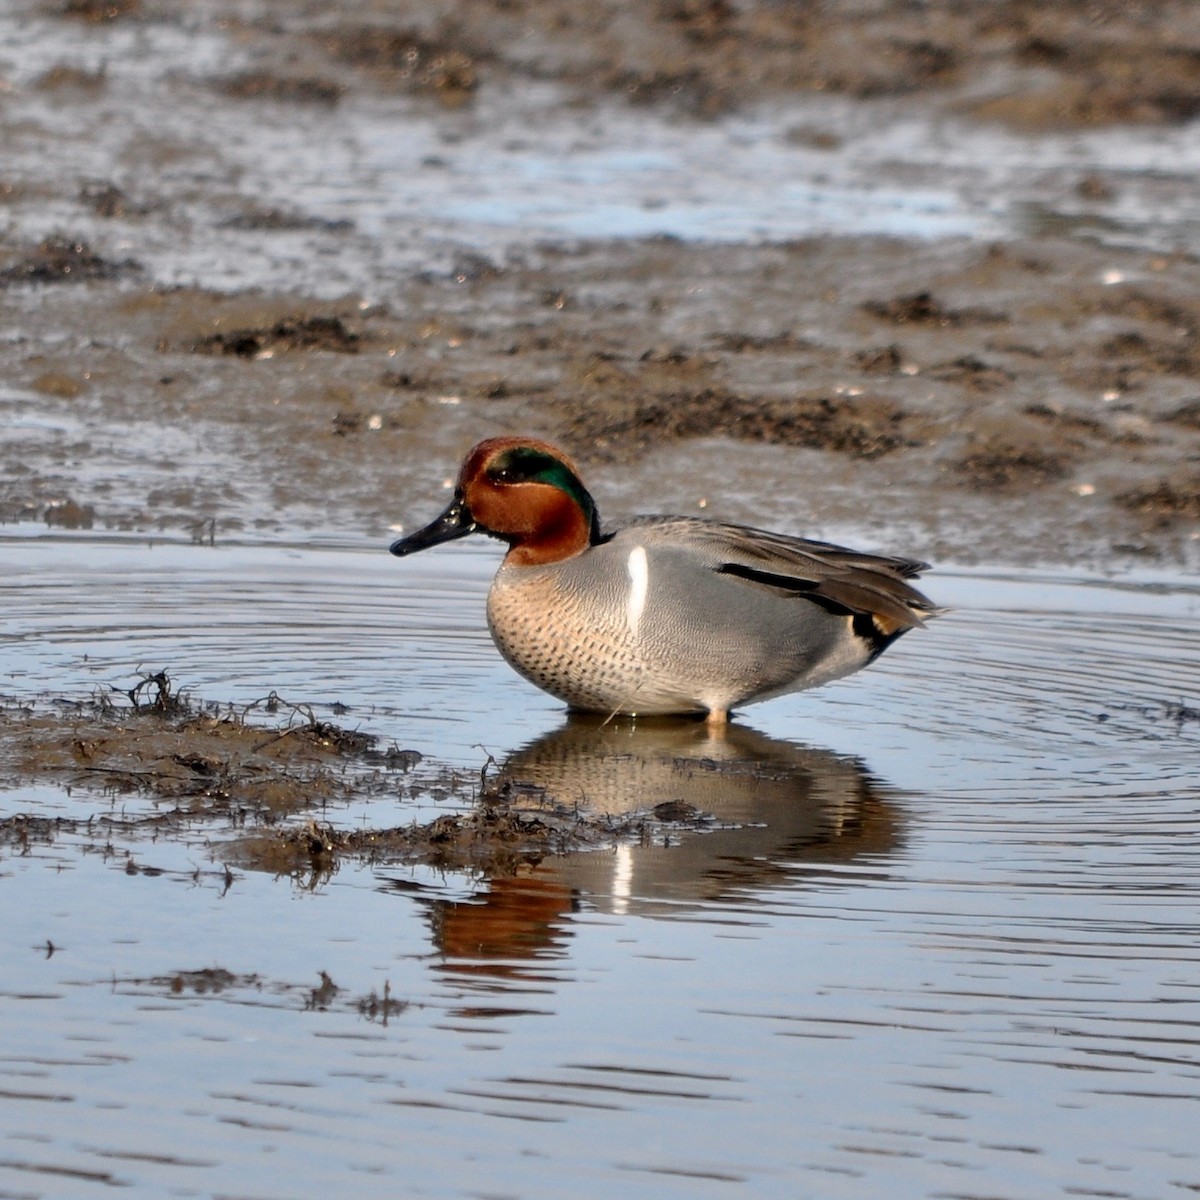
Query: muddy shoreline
(1027, 404)
(1030, 400)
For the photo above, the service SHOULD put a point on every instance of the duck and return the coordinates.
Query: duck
(664, 615)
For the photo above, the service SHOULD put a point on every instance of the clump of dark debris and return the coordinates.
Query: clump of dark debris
(64, 260)
(510, 826)
(998, 465)
(220, 983)
(1170, 500)
(1176, 712)
(109, 201)
(276, 220)
(923, 308)
(860, 426)
(289, 333)
(155, 691)
(263, 85)
(1187, 414)
(65, 513)
(408, 61)
(100, 12)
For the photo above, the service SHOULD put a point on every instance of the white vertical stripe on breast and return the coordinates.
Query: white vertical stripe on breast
(639, 584)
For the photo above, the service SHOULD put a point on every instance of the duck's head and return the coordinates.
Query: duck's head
(524, 492)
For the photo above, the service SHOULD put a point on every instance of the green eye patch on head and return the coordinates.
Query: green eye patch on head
(527, 464)
(523, 464)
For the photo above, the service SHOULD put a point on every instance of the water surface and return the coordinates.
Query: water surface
(943, 943)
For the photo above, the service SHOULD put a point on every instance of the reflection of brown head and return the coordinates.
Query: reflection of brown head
(517, 917)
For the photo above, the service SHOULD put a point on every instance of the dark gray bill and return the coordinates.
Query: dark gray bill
(455, 522)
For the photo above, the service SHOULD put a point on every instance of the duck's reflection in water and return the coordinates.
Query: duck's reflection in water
(736, 812)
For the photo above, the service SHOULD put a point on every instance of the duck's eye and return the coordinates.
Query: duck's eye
(525, 465)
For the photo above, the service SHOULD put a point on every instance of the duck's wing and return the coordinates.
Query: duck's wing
(869, 585)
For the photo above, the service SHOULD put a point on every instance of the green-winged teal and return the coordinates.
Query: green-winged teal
(667, 614)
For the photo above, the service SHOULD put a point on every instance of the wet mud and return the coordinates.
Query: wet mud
(1021, 400)
(198, 765)
(1067, 403)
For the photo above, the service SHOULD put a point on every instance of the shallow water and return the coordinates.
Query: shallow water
(942, 942)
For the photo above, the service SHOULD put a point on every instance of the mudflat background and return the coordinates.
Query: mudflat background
(923, 276)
